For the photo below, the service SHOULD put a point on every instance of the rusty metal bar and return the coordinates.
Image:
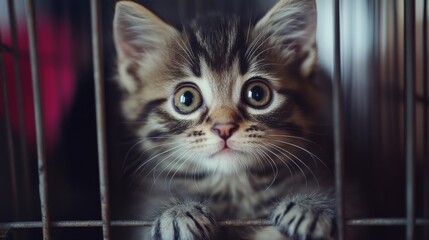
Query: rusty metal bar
(9, 137)
(409, 78)
(338, 124)
(100, 114)
(38, 111)
(123, 223)
(19, 97)
(226, 223)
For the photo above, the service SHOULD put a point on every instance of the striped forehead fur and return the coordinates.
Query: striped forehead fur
(217, 40)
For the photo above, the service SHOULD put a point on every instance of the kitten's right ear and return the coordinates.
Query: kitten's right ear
(137, 31)
(291, 26)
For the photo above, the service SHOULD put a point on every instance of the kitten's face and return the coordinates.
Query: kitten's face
(220, 95)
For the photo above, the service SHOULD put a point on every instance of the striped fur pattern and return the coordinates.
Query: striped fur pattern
(216, 150)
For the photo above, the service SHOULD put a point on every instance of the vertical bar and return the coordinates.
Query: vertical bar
(395, 44)
(21, 116)
(9, 137)
(338, 123)
(409, 40)
(100, 114)
(425, 116)
(38, 111)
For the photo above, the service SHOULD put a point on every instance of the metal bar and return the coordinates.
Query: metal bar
(19, 96)
(9, 137)
(123, 223)
(338, 123)
(425, 117)
(395, 43)
(409, 78)
(100, 114)
(226, 223)
(385, 221)
(38, 111)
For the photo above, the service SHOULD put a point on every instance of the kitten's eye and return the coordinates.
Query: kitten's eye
(257, 94)
(187, 99)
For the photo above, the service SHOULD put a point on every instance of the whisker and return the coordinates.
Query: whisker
(283, 161)
(195, 171)
(157, 155)
(174, 174)
(275, 176)
(269, 160)
(254, 46)
(283, 152)
(189, 61)
(178, 158)
(302, 162)
(312, 155)
(290, 136)
(141, 154)
(125, 164)
(186, 51)
(174, 163)
(187, 47)
(160, 162)
(255, 156)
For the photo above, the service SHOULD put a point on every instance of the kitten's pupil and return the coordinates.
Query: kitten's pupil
(187, 98)
(257, 93)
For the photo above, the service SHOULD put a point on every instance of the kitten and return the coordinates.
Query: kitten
(226, 113)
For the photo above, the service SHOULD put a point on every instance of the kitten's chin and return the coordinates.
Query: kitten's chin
(225, 152)
(228, 161)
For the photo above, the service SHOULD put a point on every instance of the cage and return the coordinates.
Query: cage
(56, 66)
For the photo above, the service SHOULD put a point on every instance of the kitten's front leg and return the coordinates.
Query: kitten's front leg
(306, 216)
(189, 220)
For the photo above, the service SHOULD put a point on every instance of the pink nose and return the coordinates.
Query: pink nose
(224, 130)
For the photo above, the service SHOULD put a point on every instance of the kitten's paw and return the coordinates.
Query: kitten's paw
(306, 217)
(190, 221)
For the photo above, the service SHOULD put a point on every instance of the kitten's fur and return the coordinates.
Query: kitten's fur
(271, 169)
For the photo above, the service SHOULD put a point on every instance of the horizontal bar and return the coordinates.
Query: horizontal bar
(120, 223)
(385, 221)
(226, 223)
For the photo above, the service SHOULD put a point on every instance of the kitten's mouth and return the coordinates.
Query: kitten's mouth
(225, 150)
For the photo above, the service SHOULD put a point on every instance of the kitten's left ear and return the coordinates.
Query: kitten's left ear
(138, 31)
(291, 25)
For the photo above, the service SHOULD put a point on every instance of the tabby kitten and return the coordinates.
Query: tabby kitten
(225, 113)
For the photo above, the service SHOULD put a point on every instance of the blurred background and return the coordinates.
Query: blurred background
(372, 46)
